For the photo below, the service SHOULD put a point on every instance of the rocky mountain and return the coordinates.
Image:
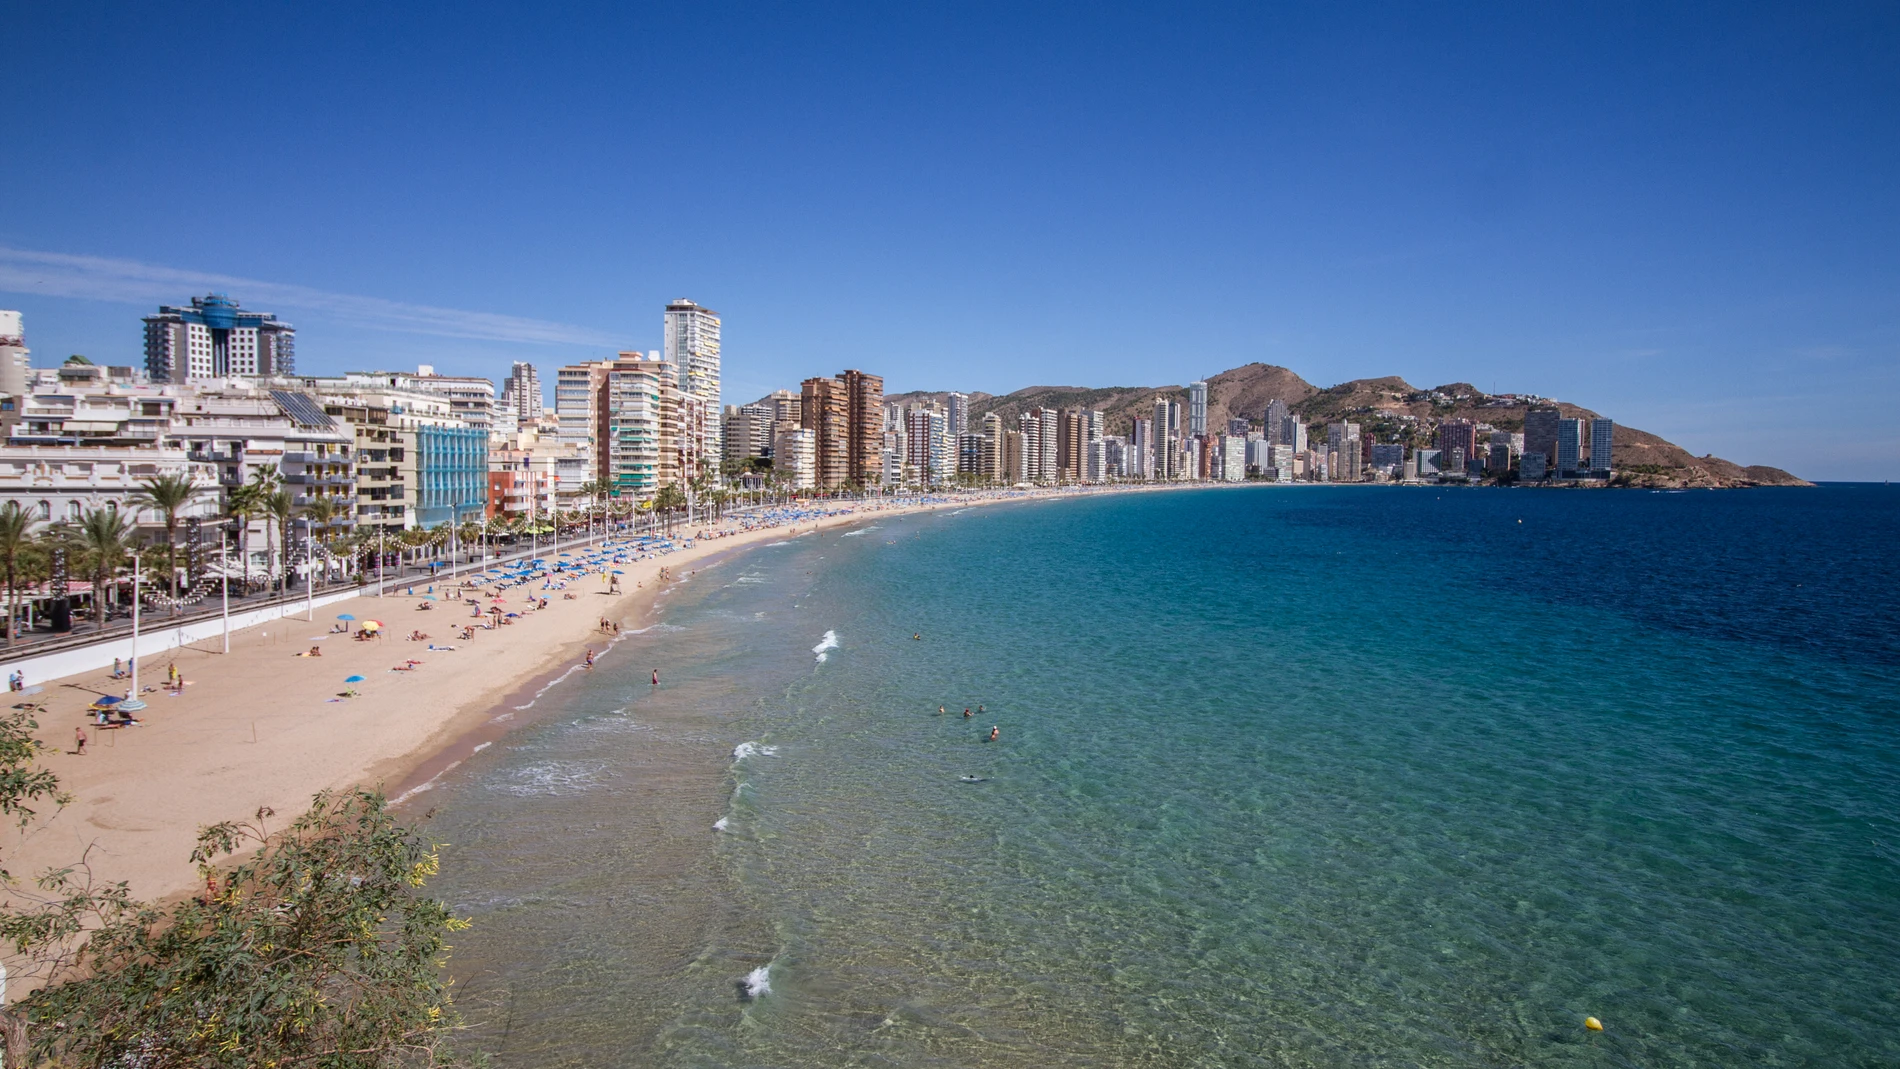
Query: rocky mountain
(1390, 408)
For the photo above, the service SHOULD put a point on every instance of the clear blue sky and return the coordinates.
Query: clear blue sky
(1686, 217)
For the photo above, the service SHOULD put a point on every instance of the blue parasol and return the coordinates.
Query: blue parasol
(354, 679)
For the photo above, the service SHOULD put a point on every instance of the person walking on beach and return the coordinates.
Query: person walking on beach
(590, 657)
(79, 738)
(656, 677)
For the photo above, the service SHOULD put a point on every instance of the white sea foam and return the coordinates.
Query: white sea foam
(829, 642)
(861, 530)
(551, 779)
(429, 786)
(778, 543)
(758, 982)
(720, 824)
(753, 749)
(480, 746)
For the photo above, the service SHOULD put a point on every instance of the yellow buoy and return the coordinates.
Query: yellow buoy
(1593, 1024)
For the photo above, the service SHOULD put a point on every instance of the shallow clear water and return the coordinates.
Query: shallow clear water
(1286, 776)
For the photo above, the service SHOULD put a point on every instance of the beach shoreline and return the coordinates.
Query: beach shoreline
(266, 726)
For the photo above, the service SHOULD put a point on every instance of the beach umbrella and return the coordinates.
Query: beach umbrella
(354, 679)
(372, 625)
(108, 700)
(131, 705)
(345, 616)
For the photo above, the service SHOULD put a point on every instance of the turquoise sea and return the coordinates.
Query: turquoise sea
(1285, 776)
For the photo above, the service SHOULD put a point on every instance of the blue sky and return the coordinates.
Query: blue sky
(1684, 216)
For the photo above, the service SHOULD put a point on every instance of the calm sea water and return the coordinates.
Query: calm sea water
(1285, 777)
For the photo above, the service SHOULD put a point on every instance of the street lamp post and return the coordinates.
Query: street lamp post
(224, 580)
(309, 573)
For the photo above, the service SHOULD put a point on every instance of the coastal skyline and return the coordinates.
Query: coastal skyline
(1672, 216)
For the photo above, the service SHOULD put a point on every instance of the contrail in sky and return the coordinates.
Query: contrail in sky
(103, 279)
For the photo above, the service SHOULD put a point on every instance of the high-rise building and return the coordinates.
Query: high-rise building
(1274, 421)
(521, 394)
(929, 455)
(1569, 446)
(13, 355)
(1458, 434)
(995, 449)
(1292, 433)
(213, 339)
(1339, 434)
(576, 407)
(1071, 445)
(1540, 431)
(970, 455)
(1138, 455)
(1165, 464)
(1047, 439)
(825, 410)
(1532, 466)
(692, 348)
(1197, 408)
(1233, 454)
(795, 456)
(1602, 445)
(637, 421)
(1498, 460)
(1029, 425)
(864, 433)
(1015, 454)
(959, 413)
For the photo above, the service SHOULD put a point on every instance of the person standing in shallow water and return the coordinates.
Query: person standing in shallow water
(656, 677)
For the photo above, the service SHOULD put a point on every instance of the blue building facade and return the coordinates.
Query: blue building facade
(451, 474)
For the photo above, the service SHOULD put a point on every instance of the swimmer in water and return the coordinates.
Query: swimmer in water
(966, 712)
(939, 710)
(994, 732)
(918, 637)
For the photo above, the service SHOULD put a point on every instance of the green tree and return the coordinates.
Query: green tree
(102, 540)
(168, 495)
(320, 949)
(16, 539)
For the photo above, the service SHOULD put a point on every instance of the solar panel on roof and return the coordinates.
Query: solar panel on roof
(302, 408)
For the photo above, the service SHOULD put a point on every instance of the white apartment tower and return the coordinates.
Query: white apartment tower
(521, 394)
(1197, 409)
(959, 413)
(692, 346)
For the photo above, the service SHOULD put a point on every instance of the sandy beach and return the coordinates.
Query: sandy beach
(262, 726)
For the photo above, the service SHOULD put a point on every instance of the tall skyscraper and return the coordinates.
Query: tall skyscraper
(521, 394)
(1197, 409)
(1540, 431)
(1569, 446)
(1166, 464)
(1602, 445)
(959, 413)
(1293, 433)
(1050, 472)
(638, 425)
(1029, 426)
(864, 412)
(213, 339)
(1274, 422)
(826, 412)
(1458, 434)
(692, 348)
(13, 355)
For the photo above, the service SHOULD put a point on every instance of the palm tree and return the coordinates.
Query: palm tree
(279, 508)
(243, 507)
(669, 498)
(168, 495)
(103, 538)
(16, 532)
